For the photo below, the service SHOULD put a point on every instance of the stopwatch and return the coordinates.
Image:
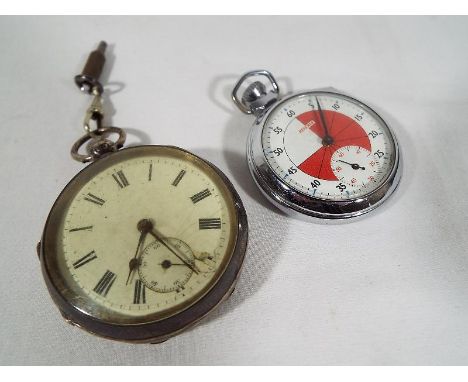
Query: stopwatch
(145, 241)
(319, 155)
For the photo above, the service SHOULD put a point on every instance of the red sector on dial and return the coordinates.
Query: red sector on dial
(344, 131)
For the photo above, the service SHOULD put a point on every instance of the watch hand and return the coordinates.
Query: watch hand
(327, 139)
(355, 166)
(143, 226)
(134, 261)
(161, 240)
(167, 264)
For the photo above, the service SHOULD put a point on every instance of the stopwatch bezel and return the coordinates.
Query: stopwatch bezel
(308, 207)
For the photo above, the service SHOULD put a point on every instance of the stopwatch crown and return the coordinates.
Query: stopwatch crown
(255, 98)
(253, 92)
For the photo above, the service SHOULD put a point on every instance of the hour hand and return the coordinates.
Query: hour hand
(144, 226)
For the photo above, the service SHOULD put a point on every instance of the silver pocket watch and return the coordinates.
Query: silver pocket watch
(317, 155)
(145, 241)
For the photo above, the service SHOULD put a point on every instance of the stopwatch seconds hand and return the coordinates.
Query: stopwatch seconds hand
(355, 166)
(327, 139)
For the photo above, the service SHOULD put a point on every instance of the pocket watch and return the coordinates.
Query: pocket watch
(145, 241)
(318, 155)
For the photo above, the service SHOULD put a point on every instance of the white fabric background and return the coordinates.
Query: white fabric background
(389, 289)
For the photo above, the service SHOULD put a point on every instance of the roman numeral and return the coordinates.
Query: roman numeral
(120, 179)
(103, 286)
(88, 228)
(139, 296)
(94, 199)
(150, 173)
(200, 196)
(178, 178)
(84, 260)
(210, 223)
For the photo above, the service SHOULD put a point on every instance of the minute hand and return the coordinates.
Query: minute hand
(161, 240)
(327, 139)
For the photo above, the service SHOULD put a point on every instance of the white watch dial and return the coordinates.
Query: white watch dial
(305, 137)
(147, 235)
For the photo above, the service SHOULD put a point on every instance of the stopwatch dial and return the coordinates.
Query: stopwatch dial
(304, 134)
(355, 167)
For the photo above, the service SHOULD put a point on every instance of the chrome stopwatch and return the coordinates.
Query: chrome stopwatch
(317, 154)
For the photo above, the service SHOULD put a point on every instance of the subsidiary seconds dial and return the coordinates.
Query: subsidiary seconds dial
(328, 146)
(355, 167)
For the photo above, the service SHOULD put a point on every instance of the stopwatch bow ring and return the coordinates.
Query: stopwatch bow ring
(255, 99)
